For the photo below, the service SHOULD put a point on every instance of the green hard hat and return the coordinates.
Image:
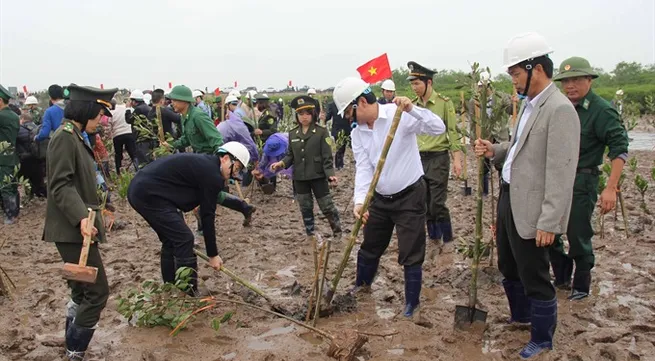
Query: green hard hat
(181, 93)
(575, 67)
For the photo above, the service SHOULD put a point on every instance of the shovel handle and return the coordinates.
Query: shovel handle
(86, 244)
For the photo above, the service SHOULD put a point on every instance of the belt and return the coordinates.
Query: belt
(592, 171)
(401, 193)
(428, 155)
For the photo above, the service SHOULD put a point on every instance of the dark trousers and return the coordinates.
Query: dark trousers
(520, 259)
(91, 297)
(144, 150)
(319, 187)
(406, 212)
(32, 169)
(124, 141)
(436, 166)
(580, 231)
(339, 155)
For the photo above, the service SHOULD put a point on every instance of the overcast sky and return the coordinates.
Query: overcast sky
(210, 43)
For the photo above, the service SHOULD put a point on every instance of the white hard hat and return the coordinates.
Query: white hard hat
(346, 91)
(147, 98)
(196, 93)
(31, 100)
(237, 150)
(251, 94)
(231, 98)
(389, 85)
(524, 47)
(136, 94)
(484, 76)
(235, 93)
(618, 92)
(311, 91)
(280, 100)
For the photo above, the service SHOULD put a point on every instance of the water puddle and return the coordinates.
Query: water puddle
(259, 345)
(311, 338)
(277, 331)
(641, 141)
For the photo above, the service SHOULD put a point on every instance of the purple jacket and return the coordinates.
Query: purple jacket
(234, 130)
(268, 159)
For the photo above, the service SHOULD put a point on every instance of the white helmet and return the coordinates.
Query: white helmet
(31, 100)
(280, 100)
(235, 93)
(524, 47)
(389, 85)
(618, 92)
(196, 93)
(147, 98)
(136, 94)
(238, 151)
(251, 94)
(346, 91)
(231, 98)
(311, 91)
(484, 76)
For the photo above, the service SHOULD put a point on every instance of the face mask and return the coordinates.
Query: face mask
(522, 97)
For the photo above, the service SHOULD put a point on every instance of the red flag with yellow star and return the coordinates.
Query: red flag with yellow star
(375, 70)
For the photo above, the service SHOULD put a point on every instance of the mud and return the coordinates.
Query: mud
(615, 323)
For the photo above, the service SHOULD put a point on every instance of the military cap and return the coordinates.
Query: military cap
(5, 94)
(94, 95)
(303, 102)
(181, 93)
(418, 71)
(575, 67)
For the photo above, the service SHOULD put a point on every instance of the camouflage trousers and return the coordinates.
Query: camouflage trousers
(321, 190)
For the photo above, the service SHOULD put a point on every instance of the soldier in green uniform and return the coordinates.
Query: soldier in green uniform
(9, 125)
(435, 151)
(71, 190)
(310, 154)
(601, 128)
(199, 132)
(267, 124)
(32, 107)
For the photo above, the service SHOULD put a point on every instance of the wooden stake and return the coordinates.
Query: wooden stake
(514, 110)
(319, 292)
(160, 128)
(463, 119)
(367, 201)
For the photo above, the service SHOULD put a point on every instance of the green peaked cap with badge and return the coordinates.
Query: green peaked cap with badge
(5, 94)
(575, 67)
(94, 95)
(303, 102)
(181, 93)
(418, 71)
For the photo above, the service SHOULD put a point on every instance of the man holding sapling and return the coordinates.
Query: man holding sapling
(601, 127)
(537, 184)
(399, 198)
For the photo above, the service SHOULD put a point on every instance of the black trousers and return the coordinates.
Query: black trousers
(91, 297)
(338, 156)
(124, 141)
(520, 259)
(319, 187)
(406, 212)
(32, 169)
(436, 168)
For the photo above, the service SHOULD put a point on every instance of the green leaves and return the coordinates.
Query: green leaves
(642, 184)
(632, 164)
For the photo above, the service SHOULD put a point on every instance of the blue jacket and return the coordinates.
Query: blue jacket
(234, 130)
(51, 120)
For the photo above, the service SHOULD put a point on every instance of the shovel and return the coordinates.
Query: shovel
(81, 272)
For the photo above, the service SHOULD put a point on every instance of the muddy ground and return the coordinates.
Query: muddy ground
(616, 323)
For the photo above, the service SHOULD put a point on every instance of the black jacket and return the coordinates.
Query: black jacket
(168, 118)
(338, 123)
(24, 141)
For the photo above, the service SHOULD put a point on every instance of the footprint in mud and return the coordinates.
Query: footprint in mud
(611, 353)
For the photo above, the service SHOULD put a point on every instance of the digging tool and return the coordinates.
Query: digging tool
(367, 201)
(239, 192)
(465, 316)
(623, 213)
(467, 190)
(81, 272)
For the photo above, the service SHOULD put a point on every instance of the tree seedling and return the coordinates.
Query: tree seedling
(642, 187)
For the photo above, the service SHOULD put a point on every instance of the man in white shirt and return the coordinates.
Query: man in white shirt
(399, 199)
(537, 188)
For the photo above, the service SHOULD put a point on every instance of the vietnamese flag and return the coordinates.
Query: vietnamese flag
(235, 83)
(217, 91)
(290, 83)
(375, 70)
(170, 85)
(25, 89)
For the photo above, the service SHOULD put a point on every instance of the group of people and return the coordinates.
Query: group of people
(548, 167)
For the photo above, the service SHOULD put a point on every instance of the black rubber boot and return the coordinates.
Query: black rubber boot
(413, 282)
(581, 285)
(77, 341)
(519, 303)
(71, 311)
(562, 269)
(366, 271)
(446, 230)
(544, 322)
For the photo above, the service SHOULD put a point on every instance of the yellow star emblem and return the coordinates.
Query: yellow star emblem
(373, 71)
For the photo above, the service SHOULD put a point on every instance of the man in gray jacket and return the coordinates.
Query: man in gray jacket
(539, 166)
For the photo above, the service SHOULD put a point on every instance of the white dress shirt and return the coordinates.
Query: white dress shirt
(403, 165)
(529, 107)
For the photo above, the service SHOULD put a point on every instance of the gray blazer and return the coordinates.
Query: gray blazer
(544, 165)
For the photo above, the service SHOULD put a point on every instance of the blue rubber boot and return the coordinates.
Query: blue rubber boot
(447, 230)
(366, 271)
(544, 322)
(413, 282)
(434, 232)
(519, 303)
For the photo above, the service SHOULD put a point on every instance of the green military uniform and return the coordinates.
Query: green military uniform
(267, 122)
(600, 127)
(72, 189)
(435, 155)
(36, 113)
(310, 154)
(9, 125)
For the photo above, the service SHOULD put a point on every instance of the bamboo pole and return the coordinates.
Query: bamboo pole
(319, 292)
(160, 128)
(317, 273)
(367, 201)
(480, 111)
(465, 173)
(514, 110)
(625, 218)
